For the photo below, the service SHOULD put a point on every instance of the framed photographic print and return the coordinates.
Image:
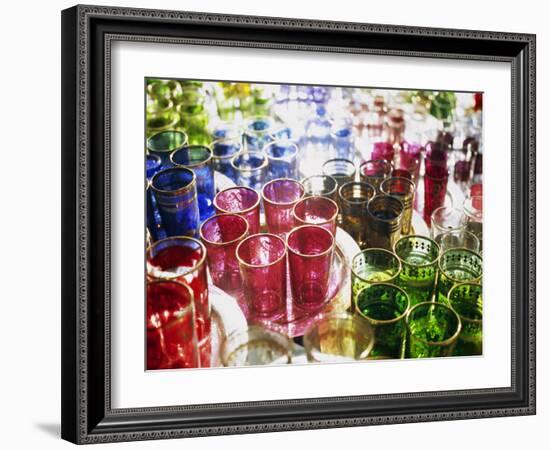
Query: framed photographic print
(282, 224)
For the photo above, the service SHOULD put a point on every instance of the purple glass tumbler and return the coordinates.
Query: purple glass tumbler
(310, 253)
(262, 261)
(279, 197)
(320, 211)
(243, 201)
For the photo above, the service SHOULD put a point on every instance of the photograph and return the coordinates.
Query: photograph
(305, 224)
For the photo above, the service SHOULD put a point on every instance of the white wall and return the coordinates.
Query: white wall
(30, 206)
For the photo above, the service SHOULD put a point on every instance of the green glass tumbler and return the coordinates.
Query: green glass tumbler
(419, 257)
(374, 265)
(432, 330)
(457, 265)
(466, 300)
(384, 306)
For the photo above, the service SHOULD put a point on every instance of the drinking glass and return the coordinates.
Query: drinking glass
(354, 198)
(419, 257)
(435, 188)
(410, 157)
(226, 129)
(338, 337)
(458, 239)
(243, 201)
(321, 185)
(183, 259)
(256, 346)
(473, 210)
(175, 194)
(343, 171)
(220, 235)
(445, 219)
(385, 215)
(384, 307)
(250, 169)
(279, 198)
(342, 142)
(382, 151)
(160, 116)
(466, 300)
(257, 133)
(198, 158)
(262, 261)
(171, 331)
(153, 165)
(402, 189)
(374, 172)
(223, 151)
(457, 265)
(282, 159)
(433, 329)
(164, 143)
(320, 211)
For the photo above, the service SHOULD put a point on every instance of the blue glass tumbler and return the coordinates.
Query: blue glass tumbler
(282, 159)
(342, 143)
(175, 192)
(257, 133)
(198, 158)
(223, 150)
(153, 165)
(250, 169)
(164, 143)
(154, 222)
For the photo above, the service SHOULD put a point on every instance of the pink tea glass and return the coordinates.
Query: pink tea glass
(240, 200)
(279, 197)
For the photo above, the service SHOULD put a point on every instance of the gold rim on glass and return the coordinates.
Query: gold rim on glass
(435, 305)
(299, 219)
(222, 140)
(296, 252)
(265, 199)
(254, 236)
(466, 319)
(192, 165)
(179, 191)
(378, 250)
(183, 144)
(379, 321)
(242, 211)
(219, 244)
(195, 268)
(288, 143)
(326, 194)
(419, 237)
(262, 166)
(461, 249)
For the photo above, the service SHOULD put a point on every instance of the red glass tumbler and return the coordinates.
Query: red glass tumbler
(435, 188)
(243, 201)
(279, 197)
(320, 211)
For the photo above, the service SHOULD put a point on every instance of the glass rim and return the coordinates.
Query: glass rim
(461, 249)
(292, 180)
(262, 166)
(410, 183)
(348, 184)
(255, 236)
(420, 237)
(179, 191)
(332, 179)
(389, 197)
(242, 211)
(221, 244)
(290, 143)
(303, 255)
(196, 164)
(339, 160)
(452, 210)
(189, 308)
(380, 321)
(385, 163)
(185, 140)
(253, 119)
(462, 231)
(469, 283)
(304, 198)
(378, 250)
(154, 99)
(447, 341)
(195, 268)
(470, 209)
(219, 141)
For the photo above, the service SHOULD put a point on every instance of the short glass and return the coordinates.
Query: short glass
(419, 257)
(466, 300)
(457, 265)
(183, 259)
(262, 262)
(310, 253)
(220, 235)
(435, 188)
(320, 211)
(279, 198)
(473, 211)
(338, 337)
(257, 133)
(175, 194)
(282, 158)
(343, 171)
(164, 143)
(250, 169)
(385, 218)
(171, 331)
(373, 265)
(256, 346)
(374, 172)
(223, 151)
(321, 185)
(384, 306)
(198, 158)
(402, 189)
(160, 116)
(445, 219)
(354, 198)
(432, 330)
(243, 201)
(458, 239)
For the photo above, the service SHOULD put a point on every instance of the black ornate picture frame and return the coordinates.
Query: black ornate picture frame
(87, 35)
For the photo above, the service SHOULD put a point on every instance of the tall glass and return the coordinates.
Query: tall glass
(250, 169)
(374, 172)
(419, 257)
(164, 143)
(410, 158)
(220, 235)
(223, 151)
(433, 330)
(243, 201)
(310, 253)
(435, 188)
(175, 193)
(320, 211)
(171, 331)
(384, 307)
(342, 142)
(257, 133)
(338, 337)
(457, 265)
(466, 299)
(198, 158)
(402, 189)
(282, 158)
(321, 185)
(343, 171)
(445, 219)
(385, 216)
(183, 259)
(473, 210)
(354, 198)
(279, 198)
(262, 261)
